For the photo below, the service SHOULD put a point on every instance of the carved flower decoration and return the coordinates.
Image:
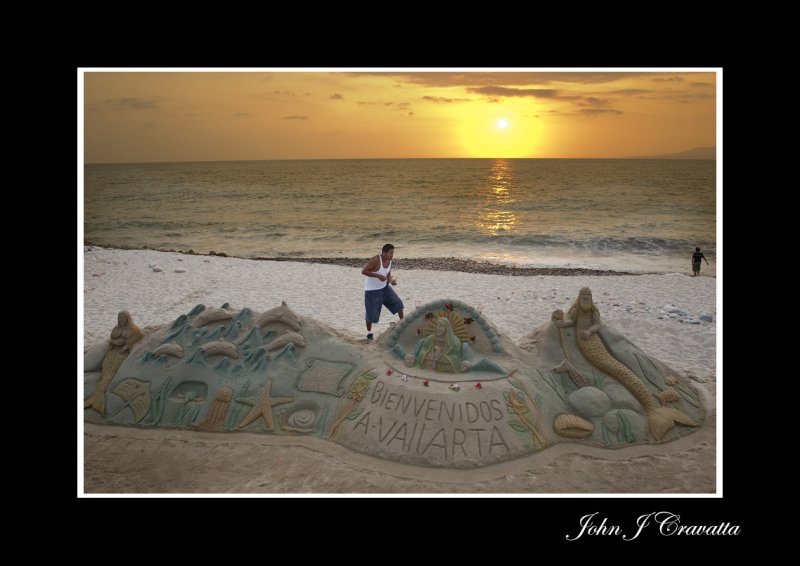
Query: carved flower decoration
(515, 401)
(359, 391)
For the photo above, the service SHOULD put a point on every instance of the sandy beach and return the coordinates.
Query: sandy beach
(666, 315)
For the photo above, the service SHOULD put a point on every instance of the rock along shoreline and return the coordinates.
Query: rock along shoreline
(454, 264)
(430, 263)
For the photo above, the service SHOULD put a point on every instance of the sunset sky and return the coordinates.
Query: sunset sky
(248, 115)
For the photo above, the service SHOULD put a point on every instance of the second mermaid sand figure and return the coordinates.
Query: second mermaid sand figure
(586, 318)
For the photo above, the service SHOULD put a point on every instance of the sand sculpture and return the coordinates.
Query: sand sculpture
(586, 318)
(441, 388)
(123, 337)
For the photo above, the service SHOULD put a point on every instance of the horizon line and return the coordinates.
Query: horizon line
(637, 158)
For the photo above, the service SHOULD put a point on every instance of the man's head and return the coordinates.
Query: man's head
(387, 251)
(697, 249)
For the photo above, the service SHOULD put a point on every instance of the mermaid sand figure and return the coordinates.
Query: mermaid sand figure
(585, 316)
(124, 335)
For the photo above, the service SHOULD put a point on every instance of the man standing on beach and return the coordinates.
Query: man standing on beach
(377, 292)
(696, 257)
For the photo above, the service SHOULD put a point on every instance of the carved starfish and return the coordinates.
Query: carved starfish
(262, 407)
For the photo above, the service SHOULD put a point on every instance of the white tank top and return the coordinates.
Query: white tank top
(373, 283)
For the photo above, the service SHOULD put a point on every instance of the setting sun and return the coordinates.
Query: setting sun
(515, 133)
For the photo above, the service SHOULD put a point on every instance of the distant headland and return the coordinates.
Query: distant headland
(694, 153)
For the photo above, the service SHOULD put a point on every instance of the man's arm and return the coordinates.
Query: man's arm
(704, 257)
(372, 266)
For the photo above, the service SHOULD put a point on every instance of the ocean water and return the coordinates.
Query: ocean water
(628, 215)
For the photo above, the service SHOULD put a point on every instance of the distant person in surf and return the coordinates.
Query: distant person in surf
(377, 292)
(696, 257)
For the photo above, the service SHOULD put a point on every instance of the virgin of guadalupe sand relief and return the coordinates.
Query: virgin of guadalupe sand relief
(447, 337)
(440, 350)
(445, 347)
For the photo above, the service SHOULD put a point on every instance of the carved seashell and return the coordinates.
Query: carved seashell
(667, 397)
(220, 348)
(572, 426)
(211, 315)
(670, 380)
(170, 349)
(301, 420)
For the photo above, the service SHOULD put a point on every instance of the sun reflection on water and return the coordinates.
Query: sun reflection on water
(496, 218)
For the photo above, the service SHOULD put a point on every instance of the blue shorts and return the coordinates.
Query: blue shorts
(374, 300)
